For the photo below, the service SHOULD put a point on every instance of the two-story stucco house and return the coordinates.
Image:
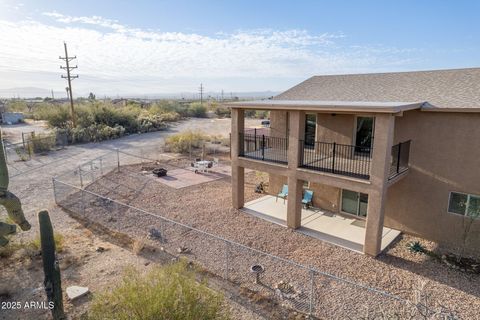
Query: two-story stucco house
(386, 152)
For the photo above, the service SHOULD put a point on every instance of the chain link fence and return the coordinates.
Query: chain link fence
(32, 145)
(292, 285)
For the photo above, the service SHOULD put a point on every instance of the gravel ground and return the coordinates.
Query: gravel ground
(207, 207)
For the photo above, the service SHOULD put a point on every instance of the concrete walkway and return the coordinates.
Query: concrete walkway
(339, 230)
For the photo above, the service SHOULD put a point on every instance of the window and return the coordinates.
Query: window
(464, 204)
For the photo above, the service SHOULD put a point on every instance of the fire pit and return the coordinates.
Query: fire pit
(257, 269)
(160, 172)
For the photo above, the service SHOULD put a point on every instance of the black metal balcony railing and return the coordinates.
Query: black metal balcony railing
(400, 158)
(347, 160)
(263, 147)
(341, 159)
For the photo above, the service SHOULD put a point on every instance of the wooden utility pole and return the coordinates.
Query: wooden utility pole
(201, 94)
(69, 78)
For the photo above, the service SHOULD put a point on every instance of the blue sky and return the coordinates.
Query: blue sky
(141, 47)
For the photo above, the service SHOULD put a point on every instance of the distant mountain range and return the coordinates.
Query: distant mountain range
(33, 92)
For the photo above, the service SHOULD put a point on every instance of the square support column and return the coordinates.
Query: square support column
(238, 124)
(238, 186)
(294, 203)
(380, 166)
(295, 186)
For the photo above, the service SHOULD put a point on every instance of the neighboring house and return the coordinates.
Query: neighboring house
(394, 151)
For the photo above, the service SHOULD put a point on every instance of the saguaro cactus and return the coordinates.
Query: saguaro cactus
(9, 201)
(51, 269)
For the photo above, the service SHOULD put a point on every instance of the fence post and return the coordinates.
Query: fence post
(91, 171)
(23, 140)
(54, 188)
(118, 160)
(101, 166)
(29, 150)
(80, 175)
(398, 157)
(83, 201)
(263, 147)
(255, 138)
(333, 158)
(227, 262)
(312, 291)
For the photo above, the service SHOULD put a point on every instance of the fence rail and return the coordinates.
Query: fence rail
(342, 159)
(263, 147)
(302, 288)
(400, 158)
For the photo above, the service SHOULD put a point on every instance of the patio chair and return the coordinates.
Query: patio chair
(283, 194)
(307, 199)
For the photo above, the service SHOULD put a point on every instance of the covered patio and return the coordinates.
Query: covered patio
(345, 232)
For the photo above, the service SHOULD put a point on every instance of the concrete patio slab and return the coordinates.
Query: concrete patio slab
(336, 229)
(184, 177)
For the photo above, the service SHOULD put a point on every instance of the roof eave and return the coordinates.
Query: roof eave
(324, 108)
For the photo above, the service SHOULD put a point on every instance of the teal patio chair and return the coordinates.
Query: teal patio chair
(283, 194)
(307, 199)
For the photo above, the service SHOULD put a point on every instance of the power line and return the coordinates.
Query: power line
(69, 78)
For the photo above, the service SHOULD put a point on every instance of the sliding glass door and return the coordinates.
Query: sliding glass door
(310, 129)
(364, 134)
(355, 203)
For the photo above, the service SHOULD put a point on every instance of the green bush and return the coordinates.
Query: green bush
(197, 110)
(164, 293)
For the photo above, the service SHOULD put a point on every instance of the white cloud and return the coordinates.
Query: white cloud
(117, 58)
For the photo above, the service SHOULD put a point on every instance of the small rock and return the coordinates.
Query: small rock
(100, 249)
(75, 292)
(183, 250)
(146, 263)
(154, 234)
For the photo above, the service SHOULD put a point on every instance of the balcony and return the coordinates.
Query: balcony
(342, 159)
(263, 147)
(331, 157)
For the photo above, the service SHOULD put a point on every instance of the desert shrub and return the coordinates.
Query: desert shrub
(42, 143)
(183, 141)
(222, 112)
(56, 116)
(258, 114)
(169, 292)
(57, 238)
(169, 116)
(94, 133)
(148, 122)
(197, 110)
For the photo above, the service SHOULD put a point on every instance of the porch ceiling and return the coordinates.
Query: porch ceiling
(344, 232)
(329, 106)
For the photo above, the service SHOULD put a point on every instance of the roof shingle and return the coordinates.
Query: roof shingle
(446, 89)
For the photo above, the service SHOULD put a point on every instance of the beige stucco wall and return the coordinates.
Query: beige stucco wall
(278, 123)
(444, 157)
(335, 128)
(324, 196)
